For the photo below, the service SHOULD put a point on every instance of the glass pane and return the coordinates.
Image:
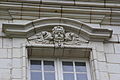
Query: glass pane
(80, 66)
(68, 76)
(36, 76)
(67, 66)
(35, 65)
(49, 76)
(82, 77)
(49, 65)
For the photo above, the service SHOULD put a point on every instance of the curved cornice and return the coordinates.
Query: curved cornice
(78, 27)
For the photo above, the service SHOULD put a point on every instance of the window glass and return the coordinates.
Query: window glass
(50, 70)
(49, 66)
(68, 76)
(67, 66)
(35, 65)
(49, 75)
(80, 66)
(82, 77)
(36, 76)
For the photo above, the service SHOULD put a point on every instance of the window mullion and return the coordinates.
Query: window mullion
(75, 78)
(60, 69)
(88, 70)
(57, 69)
(42, 66)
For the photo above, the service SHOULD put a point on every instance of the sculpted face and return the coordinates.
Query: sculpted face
(58, 33)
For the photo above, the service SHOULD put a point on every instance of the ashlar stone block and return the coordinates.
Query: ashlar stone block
(117, 47)
(99, 46)
(113, 58)
(9, 52)
(7, 43)
(113, 68)
(104, 76)
(102, 66)
(5, 74)
(114, 76)
(17, 53)
(17, 62)
(17, 42)
(5, 63)
(101, 56)
(17, 73)
(109, 48)
(3, 53)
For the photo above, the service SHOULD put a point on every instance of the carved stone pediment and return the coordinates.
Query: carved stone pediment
(88, 32)
(58, 36)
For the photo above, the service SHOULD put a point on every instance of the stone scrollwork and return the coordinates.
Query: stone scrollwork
(57, 36)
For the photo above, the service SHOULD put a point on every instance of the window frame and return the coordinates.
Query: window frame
(58, 66)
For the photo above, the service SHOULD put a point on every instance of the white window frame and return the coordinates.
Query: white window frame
(58, 66)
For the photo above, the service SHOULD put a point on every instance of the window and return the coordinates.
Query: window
(59, 69)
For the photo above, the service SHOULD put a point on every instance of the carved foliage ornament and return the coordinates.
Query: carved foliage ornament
(57, 36)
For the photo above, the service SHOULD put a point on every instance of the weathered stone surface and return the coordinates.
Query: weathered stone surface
(16, 62)
(114, 76)
(104, 76)
(17, 73)
(5, 63)
(7, 43)
(101, 56)
(1, 42)
(113, 68)
(102, 66)
(99, 46)
(3, 53)
(17, 42)
(113, 58)
(109, 48)
(17, 53)
(9, 52)
(114, 38)
(5, 74)
(117, 48)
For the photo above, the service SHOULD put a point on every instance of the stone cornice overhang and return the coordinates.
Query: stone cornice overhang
(78, 27)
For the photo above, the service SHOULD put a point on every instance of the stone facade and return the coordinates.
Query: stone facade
(104, 55)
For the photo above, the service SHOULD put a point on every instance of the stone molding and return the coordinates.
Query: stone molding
(46, 24)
